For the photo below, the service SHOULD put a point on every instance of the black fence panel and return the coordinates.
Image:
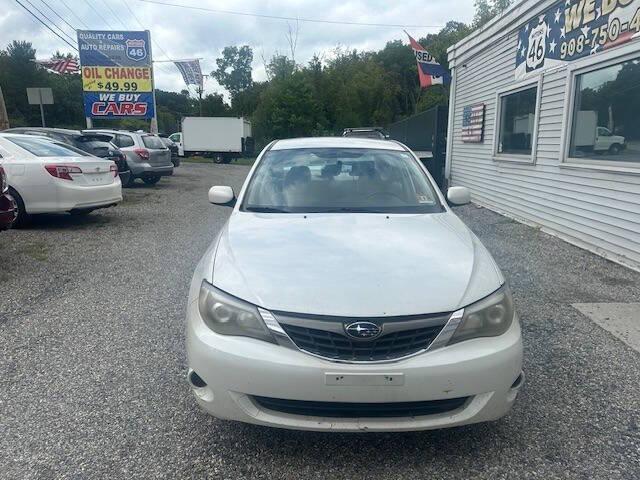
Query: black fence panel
(426, 132)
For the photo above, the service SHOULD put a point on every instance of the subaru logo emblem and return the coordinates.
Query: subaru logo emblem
(363, 330)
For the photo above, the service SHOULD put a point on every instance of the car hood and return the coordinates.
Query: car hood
(355, 265)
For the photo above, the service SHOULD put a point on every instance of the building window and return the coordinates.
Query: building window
(605, 115)
(517, 122)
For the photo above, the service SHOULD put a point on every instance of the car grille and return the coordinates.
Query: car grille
(360, 410)
(337, 346)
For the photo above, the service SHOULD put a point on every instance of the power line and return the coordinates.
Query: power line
(278, 17)
(58, 15)
(74, 14)
(114, 14)
(47, 26)
(51, 21)
(99, 14)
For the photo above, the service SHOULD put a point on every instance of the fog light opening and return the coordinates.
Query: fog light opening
(519, 381)
(196, 380)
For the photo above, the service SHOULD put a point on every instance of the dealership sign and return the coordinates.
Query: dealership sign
(117, 75)
(574, 29)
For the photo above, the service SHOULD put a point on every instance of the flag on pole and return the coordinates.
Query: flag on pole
(61, 65)
(429, 70)
(191, 72)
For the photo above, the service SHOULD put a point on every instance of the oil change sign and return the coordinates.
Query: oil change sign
(574, 29)
(117, 75)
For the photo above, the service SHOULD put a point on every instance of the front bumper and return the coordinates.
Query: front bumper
(236, 369)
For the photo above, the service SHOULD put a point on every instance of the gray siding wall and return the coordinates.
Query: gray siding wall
(596, 210)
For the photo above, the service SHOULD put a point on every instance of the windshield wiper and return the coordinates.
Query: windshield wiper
(350, 210)
(266, 210)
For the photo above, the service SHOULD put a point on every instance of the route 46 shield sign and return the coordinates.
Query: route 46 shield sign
(136, 49)
(537, 46)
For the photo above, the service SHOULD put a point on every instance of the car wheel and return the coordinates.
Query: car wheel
(614, 149)
(218, 159)
(23, 217)
(150, 180)
(130, 181)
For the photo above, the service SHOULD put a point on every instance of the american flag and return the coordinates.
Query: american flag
(61, 65)
(473, 123)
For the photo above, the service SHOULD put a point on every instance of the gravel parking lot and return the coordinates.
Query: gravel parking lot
(92, 359)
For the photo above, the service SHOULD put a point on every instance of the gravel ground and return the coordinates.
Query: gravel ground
(92, 360)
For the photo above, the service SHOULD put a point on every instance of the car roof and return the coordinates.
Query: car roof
(338, 142)
(65, 131)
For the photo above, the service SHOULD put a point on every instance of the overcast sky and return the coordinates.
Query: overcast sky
(186, 33)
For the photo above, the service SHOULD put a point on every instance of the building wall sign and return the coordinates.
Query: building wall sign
(117, 74)
(473, 123)
(573, 29)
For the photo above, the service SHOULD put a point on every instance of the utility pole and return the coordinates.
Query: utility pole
(200, 90)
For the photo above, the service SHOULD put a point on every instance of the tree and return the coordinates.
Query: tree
(233, 70)
(20, 50)
(486, 10)
(287, 109)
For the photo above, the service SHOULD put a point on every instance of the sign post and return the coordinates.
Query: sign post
(4, 118)
(40, 96)
(117, 75)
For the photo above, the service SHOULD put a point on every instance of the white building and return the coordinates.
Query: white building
(544, 122)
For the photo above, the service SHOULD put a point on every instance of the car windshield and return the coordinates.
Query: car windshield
(337, 180)
(41, 147)
(153, 142)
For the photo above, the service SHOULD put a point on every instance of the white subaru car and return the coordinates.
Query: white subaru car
(47, 176)
(343, 294)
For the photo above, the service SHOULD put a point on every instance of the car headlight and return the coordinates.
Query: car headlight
(490, 317)
(228, 315)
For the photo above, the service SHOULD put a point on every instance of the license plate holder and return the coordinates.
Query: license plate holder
(364, 379)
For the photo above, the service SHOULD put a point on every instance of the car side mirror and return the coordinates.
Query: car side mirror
(222, 195)
(459, 195)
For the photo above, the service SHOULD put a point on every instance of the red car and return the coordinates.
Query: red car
(8, 207)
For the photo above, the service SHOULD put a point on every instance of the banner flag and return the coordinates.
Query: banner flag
(429, 70)
(191, 72)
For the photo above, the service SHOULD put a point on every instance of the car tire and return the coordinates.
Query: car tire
(218, 159)
(130, 182)
(23, 217)
(615, 149)
(150, 180)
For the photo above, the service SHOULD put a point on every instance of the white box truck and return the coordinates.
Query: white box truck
(219, 138)
(590, 137)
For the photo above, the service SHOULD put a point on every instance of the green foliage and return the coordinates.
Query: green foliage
(233, 70)
(486, 10)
